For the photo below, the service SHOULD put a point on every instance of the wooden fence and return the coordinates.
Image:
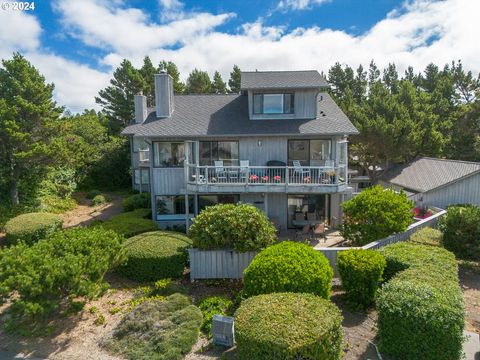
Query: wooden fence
(229, 264)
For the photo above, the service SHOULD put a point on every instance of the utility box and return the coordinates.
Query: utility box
(223, 330)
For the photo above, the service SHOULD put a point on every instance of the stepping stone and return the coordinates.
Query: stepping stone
(471, 347)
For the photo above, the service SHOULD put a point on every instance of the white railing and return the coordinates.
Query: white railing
(266, 175)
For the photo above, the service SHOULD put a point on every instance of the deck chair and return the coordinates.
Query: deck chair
(311, 216)
(299, 170)
(244, 169)
(303, 234)
(220, 172)
(319, 231)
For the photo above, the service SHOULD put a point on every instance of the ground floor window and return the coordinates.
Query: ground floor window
(173, 206)
(209, 200)
(304, 208)
(141, 176)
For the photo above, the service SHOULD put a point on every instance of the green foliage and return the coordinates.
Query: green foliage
(67, 265)
(235, 79)
(163, 330)
(59, 182)
(288, 326)
(242, 227)
(218, 85)
(361, 272)
(461, 231)
(155, 255)
(198, 82)
(56, 205)
(137, 201)
(420, 311)
(99, 200)
(92, 193)
(172, 70)
(32, 227)
(427, 236)
(374, 214)
(130, 223)
(289, 267)
(213, 305)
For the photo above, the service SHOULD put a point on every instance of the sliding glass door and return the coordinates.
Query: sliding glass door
(307, 208)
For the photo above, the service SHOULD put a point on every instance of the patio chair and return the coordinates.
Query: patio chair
(299, 217)
(303, 234)
(311, 216)
(244, 169)
(299, 170)
(319, 231)
(220, 172)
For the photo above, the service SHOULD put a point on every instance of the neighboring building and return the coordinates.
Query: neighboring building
(437, 182)
(281, 145)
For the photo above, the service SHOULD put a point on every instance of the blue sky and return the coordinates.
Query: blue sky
(78, 43)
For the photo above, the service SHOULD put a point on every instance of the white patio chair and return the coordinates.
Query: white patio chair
(244, 169)
(299, 170)
(220, 172)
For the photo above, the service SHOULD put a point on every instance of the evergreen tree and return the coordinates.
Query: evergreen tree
(198, 82)
(148, 71)
(218, 85)
(172, 70)
(235, 78)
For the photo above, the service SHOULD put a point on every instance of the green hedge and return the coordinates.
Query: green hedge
(213, 305)
(289, 267)
(361, 272)
(155, 255)
(32, 227)
(130, 223)
(137, 201)
(461, 228)
(99, 200)
(420, 311)
(427, 236)
(92, 193)
(242, 227)
(288, 326)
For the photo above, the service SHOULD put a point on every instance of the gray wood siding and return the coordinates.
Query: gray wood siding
(168, 181)
(271, 149)
(277, 208)
(305, 105)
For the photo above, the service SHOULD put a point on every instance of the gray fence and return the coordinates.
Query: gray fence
(227, 264)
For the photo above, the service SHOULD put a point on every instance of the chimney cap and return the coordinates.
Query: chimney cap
(163, 71)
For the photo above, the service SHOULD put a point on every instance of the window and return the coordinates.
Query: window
(320, 150)
(227, 151)
(170, 205)
(141, 176)
(168, 154)
(302, 207)
(209, 200)
(273, 103)
(309, 152)
(298, 150)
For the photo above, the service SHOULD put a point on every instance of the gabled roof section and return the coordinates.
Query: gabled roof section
(425, 174)
(227, 115)
(303, 79)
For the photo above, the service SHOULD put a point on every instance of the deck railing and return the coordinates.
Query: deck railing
(266, 175)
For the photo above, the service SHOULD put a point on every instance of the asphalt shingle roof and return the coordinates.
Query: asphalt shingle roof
(227, 115)
(282, 80)
(425, 174)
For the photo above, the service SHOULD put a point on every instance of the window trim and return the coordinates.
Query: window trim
(140, 171)
(217, 141)
(262, 103)
(167, 217)
(167, 167)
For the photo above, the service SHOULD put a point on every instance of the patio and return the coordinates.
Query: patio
(333, 238)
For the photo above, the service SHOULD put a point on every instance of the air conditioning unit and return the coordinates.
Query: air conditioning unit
(223, 330)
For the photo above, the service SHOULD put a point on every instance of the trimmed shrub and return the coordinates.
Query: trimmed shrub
(461, 231)
(137, 201)
(162, 330)
(361, 272)
(66, 265)
(288, 326)
(99, 200)
(374, 214)
(92, 193)
(420, 311)
(242, 227)
(155, 255)
(289, 267)
(32, 227)
(213, 305)
(130, 223)
(427, 236)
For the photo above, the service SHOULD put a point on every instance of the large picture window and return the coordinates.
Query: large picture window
(168, 154)
(310, 152)
(273, 103)
(227, 151)
(170, 205)
(141, 176)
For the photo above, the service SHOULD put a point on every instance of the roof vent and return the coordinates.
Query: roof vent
(223, 330)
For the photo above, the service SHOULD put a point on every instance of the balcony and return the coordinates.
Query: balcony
(244, 179)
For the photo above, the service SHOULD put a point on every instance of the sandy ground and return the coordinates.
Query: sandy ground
(470, 283)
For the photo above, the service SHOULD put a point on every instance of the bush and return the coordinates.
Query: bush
(374, 214)
(32, 227)
(427, 236)
(155, 255)
(361, 272)
(289, 267)
(67, 265)
(162, 330)
(56, 205)
(213, 305)
(288, 326)
(99, 200)
(92, 193)
(420, 311)
(130, 223)
(242, 227)
(137, 201)
(461, 231)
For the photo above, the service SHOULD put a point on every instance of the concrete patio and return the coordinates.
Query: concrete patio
(332, 238)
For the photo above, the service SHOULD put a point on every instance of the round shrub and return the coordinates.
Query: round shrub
(242, 227)
(99, 200)
(213, 305)
(361, 272)
(155, 255)
(427, 236)
(461, 231)
(289, 267)
(137, 201)
(130, 223)
(32, 227)
(288, 326)
(92, 193)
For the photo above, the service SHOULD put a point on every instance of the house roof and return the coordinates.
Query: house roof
(302, 79)
(227, 115)
(425, 174)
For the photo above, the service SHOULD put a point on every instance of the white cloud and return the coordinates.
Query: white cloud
(299, 4)
(19, 31)
(171, 10)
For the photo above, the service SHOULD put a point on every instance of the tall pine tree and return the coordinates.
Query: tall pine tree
(198, 82)
(218, 85)
(234, 81)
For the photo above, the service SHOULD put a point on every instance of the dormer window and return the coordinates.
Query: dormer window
(273, 104)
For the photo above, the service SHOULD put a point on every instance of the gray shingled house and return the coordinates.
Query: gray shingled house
(437, 182)
(281, 145)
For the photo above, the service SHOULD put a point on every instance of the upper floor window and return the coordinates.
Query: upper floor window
(227, 151)
(273, 103)
(168, 154)
(139, 144)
